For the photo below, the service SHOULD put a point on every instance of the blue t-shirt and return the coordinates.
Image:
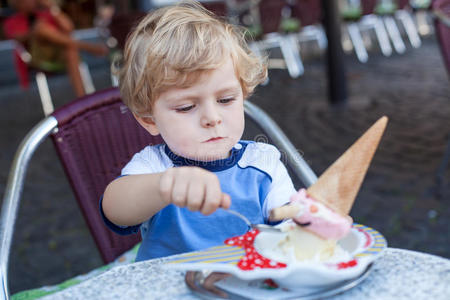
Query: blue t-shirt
(253, 176)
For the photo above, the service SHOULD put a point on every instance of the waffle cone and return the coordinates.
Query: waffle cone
(338, 186)
(284, 212)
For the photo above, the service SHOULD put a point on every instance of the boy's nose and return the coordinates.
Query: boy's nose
(210, 121)
(210, 117)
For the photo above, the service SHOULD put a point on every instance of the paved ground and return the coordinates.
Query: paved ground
(405, 195)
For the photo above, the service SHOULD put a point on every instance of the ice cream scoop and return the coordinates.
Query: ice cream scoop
(318, 218)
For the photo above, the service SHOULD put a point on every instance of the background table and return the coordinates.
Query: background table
(399, 274)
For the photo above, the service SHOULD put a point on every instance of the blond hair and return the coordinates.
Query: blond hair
(173, 46)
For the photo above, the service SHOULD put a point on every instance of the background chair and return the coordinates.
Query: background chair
(404, 15)
(269, 19)
(359, 16)
(309, 12)
(218, 7)
(386, 9)
(119, 27)
(441, 12)
(422, 14)
(94, 137)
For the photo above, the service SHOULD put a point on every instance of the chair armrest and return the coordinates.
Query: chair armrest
(294, 159)
(13, 192)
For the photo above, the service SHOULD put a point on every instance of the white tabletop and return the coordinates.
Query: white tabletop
(399, 274)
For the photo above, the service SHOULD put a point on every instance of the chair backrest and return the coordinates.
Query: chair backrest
(97, 135)
(401, 4)
(219, 8)
(121, 24)
(270, 14)
(441, 10)
(309, 12)
(368, 6)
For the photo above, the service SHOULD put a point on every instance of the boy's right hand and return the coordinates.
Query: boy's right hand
(194, 188)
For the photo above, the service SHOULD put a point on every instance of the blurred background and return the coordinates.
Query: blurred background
(388, 63)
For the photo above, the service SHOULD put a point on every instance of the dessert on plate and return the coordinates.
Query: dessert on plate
(318, 216)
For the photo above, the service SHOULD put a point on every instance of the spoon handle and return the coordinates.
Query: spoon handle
(243, 218)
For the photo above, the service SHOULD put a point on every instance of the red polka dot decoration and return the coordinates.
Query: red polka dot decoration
(345, 265)
(252, 260)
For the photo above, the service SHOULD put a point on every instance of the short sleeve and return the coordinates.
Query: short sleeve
(267, 158)
(280, 190)
(151, 159)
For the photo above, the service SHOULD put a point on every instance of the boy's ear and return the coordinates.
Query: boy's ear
(148, 123)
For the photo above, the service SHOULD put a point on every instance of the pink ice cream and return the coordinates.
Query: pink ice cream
(319, 219)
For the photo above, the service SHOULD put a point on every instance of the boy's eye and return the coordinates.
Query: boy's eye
(185, 108)
(225, 100)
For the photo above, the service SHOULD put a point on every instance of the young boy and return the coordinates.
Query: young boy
(185, 76)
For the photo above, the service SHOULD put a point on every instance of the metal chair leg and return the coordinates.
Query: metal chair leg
(313, 33)
(358, 44)
(86, 78)
(321, 38)
(394, 34)
(410, 27)
(423, 25)
(383, 38)
(44, 93)
(346, 42)
(291, 54)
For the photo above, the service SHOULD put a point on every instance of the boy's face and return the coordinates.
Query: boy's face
(204, 121)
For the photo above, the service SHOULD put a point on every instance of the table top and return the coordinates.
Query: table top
(398, 273)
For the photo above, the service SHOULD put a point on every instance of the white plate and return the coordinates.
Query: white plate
(363, 243)
(260, 289)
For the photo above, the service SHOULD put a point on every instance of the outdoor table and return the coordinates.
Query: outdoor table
(397, 274)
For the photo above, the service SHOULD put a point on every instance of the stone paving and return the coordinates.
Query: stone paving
(405, 195)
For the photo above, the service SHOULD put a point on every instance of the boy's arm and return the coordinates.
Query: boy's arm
(133, 199)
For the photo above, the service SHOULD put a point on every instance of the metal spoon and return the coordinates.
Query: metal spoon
(260, 227)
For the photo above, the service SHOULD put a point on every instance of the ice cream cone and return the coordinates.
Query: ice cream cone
(338, 186)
